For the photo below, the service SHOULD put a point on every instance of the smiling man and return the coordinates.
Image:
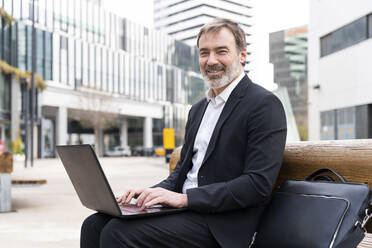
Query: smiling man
(232, 152)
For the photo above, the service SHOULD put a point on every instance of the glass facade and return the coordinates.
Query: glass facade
(5, 80)
(370, 26)
(4, 93)
(83, 46)
(346, 36)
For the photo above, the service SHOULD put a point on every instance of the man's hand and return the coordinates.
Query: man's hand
(152, 196)
(129, 195)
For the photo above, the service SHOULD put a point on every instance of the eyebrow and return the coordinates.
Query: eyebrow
(222, 47)
(217, 48)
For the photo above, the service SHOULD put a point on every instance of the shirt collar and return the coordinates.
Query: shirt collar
(224, 95)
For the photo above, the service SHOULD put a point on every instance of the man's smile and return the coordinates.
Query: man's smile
(215, 70)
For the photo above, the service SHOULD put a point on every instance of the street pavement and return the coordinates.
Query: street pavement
(50, 215)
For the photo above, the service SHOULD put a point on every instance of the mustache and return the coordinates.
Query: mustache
(215, 67)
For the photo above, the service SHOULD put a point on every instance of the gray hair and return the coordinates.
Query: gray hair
(219, 23)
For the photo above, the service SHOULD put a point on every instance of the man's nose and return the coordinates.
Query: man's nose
(212, 59)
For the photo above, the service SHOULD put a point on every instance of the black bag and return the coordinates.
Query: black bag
(315, 213)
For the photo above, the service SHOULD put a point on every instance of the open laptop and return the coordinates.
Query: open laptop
(92, 187)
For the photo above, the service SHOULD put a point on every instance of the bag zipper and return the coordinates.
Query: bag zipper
(343, 215)
(342, 218)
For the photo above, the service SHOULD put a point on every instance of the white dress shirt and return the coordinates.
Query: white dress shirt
(206, 128)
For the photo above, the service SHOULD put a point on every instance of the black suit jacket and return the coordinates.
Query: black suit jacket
(240, 166)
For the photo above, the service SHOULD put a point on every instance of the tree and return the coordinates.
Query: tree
(98, 112)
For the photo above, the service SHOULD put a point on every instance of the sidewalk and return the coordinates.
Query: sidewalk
(50, 215)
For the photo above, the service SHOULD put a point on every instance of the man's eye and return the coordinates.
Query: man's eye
(203, 54)
(222, 52)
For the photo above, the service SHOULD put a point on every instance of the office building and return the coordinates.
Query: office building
(109, 81)
(182, 19)
(340, 75)
(288, 54)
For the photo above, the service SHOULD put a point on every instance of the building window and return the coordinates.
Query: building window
(115, 72)
(157, 132)
(84, 65)
(48, 56)
(40, 52)
(110, 77)
(98, 67)
(77, 20)
(344, 37)
(41, 11)
(78, 58)
(63, 16)
(63, 43)
(63, 59)
(91, 66)
(6, 41)
(370, 26)
(29, 47)
(104, 69)
(121, 68)
(4, 93)
(346, 123)
(328, 125)
(84, 20)
(49, 13)
(170, 85)
(71, 61)
(126, 75)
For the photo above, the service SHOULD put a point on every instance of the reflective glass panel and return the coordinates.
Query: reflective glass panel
(78, 58)
(370, 26)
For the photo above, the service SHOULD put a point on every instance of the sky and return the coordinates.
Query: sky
(269, 16)
(139, 11)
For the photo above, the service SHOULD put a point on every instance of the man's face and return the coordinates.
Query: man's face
(219, 60)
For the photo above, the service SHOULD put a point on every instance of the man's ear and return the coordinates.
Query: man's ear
(242, 55)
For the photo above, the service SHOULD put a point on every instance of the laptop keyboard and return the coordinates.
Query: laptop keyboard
(130, 209)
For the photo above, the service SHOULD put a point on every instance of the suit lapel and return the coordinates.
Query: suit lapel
(195, 127)
(196, 123)
(231, 103)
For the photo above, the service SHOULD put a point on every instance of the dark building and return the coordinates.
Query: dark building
(288, 54)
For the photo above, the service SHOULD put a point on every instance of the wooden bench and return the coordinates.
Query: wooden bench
(350, 158)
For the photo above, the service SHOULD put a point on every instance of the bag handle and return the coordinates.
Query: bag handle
(323, 178)
(316, 174)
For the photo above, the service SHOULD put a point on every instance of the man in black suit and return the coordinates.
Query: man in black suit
(232, 152)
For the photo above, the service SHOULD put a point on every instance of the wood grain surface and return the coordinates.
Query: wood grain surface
(367, 241)
(175, 156)
(350, 158)
(6, 163)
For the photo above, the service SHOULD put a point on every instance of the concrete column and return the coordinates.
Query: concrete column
(15, 95)
(36, 140)
(5, 192)
(124, 132)
(98, 141)
(61, 127)
(147, 132)
(2, 130)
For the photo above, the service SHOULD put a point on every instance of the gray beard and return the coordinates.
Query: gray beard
(227, 77)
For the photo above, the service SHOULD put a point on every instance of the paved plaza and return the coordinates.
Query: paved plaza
(50, 215)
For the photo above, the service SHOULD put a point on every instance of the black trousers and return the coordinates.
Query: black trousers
(186, 229)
